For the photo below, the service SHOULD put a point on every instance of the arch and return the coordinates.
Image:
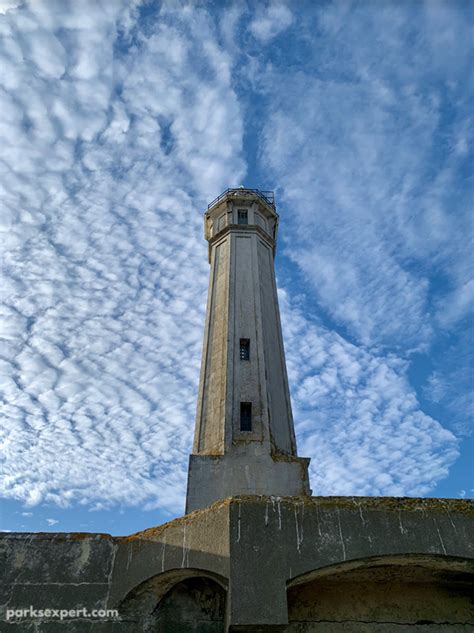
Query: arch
(384, 591)
(142, 603)
(194, 605)
(428, 561)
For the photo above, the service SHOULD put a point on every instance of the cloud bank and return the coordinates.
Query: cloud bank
(106, 156)
(369, 141)
(358, 418)
(119, 123)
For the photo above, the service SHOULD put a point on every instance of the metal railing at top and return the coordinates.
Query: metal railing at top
(267, 196)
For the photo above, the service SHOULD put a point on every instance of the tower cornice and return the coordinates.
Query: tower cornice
(243, 229)
(222, 216)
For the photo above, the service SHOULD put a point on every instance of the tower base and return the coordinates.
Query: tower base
(215, 477)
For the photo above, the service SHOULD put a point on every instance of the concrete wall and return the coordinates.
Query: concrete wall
(281, 428)
(246, 378)
(286, 542)
(293, 564)
(211, 407)
(248, 470)
(384, 595)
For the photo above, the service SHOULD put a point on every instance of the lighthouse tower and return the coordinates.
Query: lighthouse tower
(244, 439)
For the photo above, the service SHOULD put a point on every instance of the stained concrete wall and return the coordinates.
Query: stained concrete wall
(249, 469)
(295, 538)
(282, 436)
(293, 564)
(212, 402)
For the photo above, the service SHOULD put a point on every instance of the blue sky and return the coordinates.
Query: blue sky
(119, 122)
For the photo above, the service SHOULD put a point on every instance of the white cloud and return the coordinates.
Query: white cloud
(270, 21)
(435, 388)
(457, 305)
(8, 5)
(450, 383)
(110, 152)
(358, 418)
(371, 156)
(370, 171)
(52, 522)
(105, 157)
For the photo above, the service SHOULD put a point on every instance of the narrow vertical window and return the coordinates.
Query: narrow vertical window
(242, 216)
(245, 416)
(244, 349)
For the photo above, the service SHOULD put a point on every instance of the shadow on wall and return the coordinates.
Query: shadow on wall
(239, 563)
(152, 587)
(375, 594)
(384, 592)
(178, 601)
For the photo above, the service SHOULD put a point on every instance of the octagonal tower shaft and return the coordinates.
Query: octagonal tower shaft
(244, 439)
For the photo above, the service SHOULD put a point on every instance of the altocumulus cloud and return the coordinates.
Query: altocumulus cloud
(104, 157)
(357, 415)
(115, 132)
(369, 141)
(270, 20)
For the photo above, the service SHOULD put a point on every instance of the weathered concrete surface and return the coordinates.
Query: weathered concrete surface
(293, 564)
(96, 571)
(389, 591)
(249, 469)
(243, 304)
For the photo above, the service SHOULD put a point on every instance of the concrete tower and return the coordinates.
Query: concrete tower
(244, 440)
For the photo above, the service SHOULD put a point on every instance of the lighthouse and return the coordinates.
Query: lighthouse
(244, 440)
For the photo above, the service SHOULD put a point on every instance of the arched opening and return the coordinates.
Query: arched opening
(195, 605)
(380, 593)
(177, 601)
